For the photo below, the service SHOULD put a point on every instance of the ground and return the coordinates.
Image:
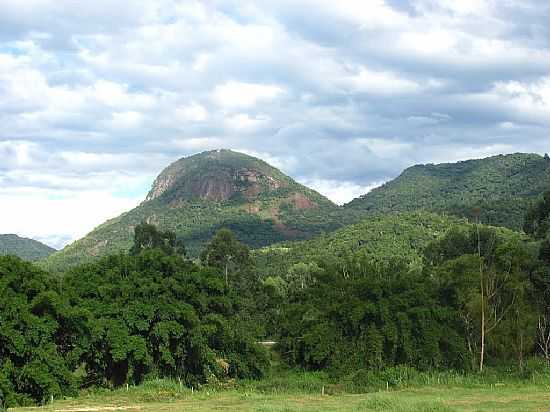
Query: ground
(427, 399)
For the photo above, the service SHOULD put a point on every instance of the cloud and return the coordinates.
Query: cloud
(57, 220)
(339, 192)
(237, 94)
(96, 100)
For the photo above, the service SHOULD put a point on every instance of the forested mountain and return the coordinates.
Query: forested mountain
(27, 249)
(197, 195)
(501, 187)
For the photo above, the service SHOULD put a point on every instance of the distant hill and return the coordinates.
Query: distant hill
(500, 186)
(384, 237)
(27, 249)
(197, 195)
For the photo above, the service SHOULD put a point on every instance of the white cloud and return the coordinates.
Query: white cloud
(386, 148)
(244, 122)
(381, 83)
(194, 113)
(235, 94)
(41, 215)
(126, 120)
(339, 192)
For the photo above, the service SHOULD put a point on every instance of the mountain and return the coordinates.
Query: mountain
(500, 186)
(27, 249)
(384, 238)
(197, 195)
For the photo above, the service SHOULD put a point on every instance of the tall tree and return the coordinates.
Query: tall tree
(227, 253)
(147, 236)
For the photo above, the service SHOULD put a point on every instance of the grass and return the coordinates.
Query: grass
(289, 391)
(399, 389)
(154, 397)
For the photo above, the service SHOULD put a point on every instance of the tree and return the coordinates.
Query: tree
(38, 339)
(226, 252)
(502, 267)
(537, 218)
(156, 313)
(147, 236)
(368, 314)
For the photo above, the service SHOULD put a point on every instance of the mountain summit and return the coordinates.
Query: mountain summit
(218, 175)
(197, 195)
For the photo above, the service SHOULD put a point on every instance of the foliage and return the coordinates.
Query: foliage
(370, 316)
(374, 311)
(37, 334)
(501, 187)
(380, 238)
(486, 277)
(225, 248)
(157, 314)
(120, 320)
(147, 236)
(26, 249)
(537, 219)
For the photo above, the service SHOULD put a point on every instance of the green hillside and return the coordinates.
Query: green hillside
(197, 195)
(501, 187)
(388, 237)
(27, 249)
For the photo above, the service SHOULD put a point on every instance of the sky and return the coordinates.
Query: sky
(97, 97)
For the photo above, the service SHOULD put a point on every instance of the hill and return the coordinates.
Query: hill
(197, 195)
(385, 237)
(501, 186)
(27, 249)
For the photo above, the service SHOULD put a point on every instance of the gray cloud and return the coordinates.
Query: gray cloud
(95, 98)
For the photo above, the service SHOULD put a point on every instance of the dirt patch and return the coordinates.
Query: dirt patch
(280, 226)
(301, 202)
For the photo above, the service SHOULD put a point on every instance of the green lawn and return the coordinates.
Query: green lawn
(158, 398)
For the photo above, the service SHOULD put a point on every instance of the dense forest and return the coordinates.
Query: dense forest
(415, 291)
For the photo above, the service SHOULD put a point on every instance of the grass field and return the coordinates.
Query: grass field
(164, 395)
(525, 398)
(289, 390)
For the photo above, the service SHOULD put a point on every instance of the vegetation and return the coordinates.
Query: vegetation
(37, 332)
(411, 302)
(381, 238)
(120, 320)
(295, 391)
(198, 195)
(26, 249)
(502, 187)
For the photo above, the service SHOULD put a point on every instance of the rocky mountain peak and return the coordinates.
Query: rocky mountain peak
(218, 175)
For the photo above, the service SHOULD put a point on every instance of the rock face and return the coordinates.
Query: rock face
(219, 176)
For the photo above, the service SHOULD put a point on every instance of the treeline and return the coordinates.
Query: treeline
(481, 298)
(147, 313)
